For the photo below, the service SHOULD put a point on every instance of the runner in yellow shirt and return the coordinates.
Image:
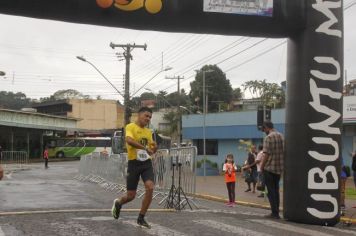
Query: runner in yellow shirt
(140, 148)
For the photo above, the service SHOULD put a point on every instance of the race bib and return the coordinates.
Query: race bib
(142, 155)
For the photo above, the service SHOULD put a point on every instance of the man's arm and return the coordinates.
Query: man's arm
(130, 141)
(266, 152)
(264, 160)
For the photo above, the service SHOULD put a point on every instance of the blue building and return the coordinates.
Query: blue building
(224, 132)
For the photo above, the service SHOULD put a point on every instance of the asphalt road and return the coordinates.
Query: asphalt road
(51, 202)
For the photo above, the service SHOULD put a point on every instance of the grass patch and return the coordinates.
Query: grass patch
(351, 193)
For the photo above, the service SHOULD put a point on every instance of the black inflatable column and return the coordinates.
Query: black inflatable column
(314, 116)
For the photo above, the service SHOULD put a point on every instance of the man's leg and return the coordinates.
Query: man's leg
(355, 178)
(132, 179)
(269, 181)
(130, 195)
(147, 176)
(146, 202)
(276, 183)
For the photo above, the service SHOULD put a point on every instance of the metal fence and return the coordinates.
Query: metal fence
(14, 159)
(109, 171)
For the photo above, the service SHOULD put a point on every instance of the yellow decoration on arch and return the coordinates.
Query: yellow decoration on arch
(152, 6)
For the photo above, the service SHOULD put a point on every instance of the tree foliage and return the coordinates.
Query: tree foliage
(218, 88)
(65, 94)
(237, 94)
(271, 94)
(173, 118)
(14, 101)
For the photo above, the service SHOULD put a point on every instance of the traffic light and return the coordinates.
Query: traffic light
(263, 113)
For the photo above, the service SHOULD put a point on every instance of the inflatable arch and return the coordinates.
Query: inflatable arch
(314, 29)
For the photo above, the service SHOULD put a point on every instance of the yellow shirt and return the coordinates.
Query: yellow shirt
(141, 135)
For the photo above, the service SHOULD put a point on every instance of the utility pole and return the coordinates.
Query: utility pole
(205, 111)
(179, 126)
(128, 48)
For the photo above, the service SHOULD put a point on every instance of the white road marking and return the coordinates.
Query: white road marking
(344, 231)
(1, 232)
(95, 218)
(229, 228)
(247, 213)
(291, 228)
(156, 229)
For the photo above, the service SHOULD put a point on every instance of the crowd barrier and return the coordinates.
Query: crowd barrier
(13, 159)
(109, 171)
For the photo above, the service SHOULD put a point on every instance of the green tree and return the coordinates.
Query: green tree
(147, 96)
(271, 94)
(174, 98)
(237, 94)
(65, 94)
(173, 118)
(218, 88)
(14, 101)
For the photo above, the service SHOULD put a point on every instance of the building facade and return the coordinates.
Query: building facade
(92, 114)
(25, 131)
(226, 132)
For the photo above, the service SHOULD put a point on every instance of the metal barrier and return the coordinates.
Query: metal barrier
(14, 159)
(109, 171)
(183, 160)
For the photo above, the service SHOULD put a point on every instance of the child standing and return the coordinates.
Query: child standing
(230, 178)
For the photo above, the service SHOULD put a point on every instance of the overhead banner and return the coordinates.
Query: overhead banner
(260, 18)
(242, 7)
(349, 113)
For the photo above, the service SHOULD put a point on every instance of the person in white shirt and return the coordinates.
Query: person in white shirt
(258, 163)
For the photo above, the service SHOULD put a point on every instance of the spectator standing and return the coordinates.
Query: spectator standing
(45, 157)
(252, 172)
(272, 165)
(343, 186)
(354, 166)
(259, 172)
(230, 178)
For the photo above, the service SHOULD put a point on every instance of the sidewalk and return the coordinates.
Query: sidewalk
(214, 186)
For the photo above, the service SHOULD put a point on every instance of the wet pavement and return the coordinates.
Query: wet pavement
(50, 202)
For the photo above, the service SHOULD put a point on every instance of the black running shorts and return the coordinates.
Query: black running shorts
(137, 169)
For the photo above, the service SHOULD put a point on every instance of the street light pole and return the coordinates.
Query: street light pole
(112, 85)
(159, 72)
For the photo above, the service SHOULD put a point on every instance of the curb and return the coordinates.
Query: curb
(220, 199)
(80, 210)
(344, 220)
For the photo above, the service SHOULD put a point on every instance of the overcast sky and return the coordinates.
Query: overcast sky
(39, 57)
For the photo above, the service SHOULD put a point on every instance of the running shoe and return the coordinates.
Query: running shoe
(141, 222)
(116, 208)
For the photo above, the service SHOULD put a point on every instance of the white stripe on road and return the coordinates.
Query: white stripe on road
(291, 228)
(344, 231)
(1, 232)
(156, 229)
(229, 228)
(247, 213)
